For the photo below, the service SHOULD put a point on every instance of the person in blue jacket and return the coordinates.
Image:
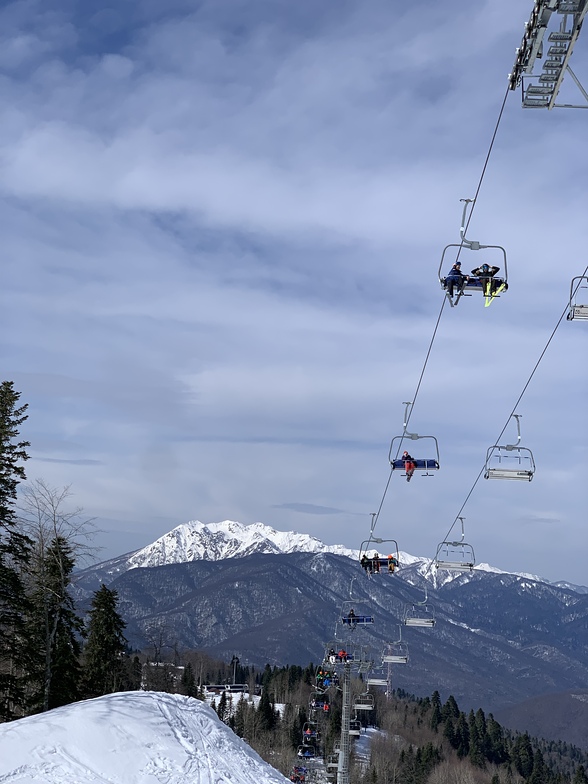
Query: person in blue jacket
(455, 278)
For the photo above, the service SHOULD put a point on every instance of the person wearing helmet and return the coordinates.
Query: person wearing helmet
(409, 465)
(455, 279)
(485, 273)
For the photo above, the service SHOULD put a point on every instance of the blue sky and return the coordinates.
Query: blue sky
(222, 224)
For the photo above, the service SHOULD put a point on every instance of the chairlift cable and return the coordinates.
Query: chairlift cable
(520, 397)
(436, 328)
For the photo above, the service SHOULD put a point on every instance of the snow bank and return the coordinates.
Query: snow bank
(129, 738)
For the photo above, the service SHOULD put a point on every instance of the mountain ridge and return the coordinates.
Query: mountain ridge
(194, 541)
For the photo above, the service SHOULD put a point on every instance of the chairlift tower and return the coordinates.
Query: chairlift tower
(345, 747)
(350, 633)
(542, 92)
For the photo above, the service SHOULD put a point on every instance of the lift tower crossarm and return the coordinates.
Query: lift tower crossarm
(543, 95)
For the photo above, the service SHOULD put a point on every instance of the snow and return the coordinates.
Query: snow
(195, 541)
(129, 738)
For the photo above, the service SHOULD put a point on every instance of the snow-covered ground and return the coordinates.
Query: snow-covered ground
(129, 738)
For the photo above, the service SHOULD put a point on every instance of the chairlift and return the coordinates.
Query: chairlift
(491, 286)
(396, 652)
(511, 461)
(419, 614)
(355, 727)
(376, 681)
(427, 464)
(364, 702)
(374, 563)
(455, 556)
(578, 289)
(354, 615)
(306, 752)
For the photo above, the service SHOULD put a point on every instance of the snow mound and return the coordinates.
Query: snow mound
(129, 738)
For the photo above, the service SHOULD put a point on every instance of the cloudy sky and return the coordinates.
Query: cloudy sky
(222, 224)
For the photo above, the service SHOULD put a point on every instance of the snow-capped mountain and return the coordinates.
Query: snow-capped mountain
(196, 541)
(275, 596)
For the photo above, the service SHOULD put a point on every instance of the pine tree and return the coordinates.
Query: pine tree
(267, 714)
(14, 557)
(580, 776)
(462, 736)
(497, 749)
(436, 712)
(538, 774)
(189, 687)
(105, 647)
(522, 755)
(450, 709)
(57, 629)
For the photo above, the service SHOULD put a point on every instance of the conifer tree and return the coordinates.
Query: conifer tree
(267, 714)
(462, 736)
(436, 712)
(57, 630)
(105, 647)
(188, 682)
(450, 709)
(522, 755)
(14, 557)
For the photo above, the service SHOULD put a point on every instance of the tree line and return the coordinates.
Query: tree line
(49, 654)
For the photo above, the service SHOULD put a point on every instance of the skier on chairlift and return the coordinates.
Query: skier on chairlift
(486, 274)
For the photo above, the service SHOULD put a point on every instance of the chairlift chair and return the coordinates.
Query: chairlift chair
(427, 464)
(455, 556)
(376, 563)
(396, 652)
(355, 727)
(491, 287)
(332, 760)
(364, 702)
(353, 614)
(419, 614)
(510, 461)
(578, 311)
(374, 681)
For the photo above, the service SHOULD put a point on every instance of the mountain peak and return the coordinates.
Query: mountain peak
(197, 541)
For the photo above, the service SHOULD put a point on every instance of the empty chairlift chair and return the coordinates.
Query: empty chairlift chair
(455, 556)
(511, 461)
(364, 702)
(377, 679)
(355, 727)
(419, 614)
(396, 652)
(578, 294)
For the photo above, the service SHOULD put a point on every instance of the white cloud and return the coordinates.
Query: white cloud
(222, 234)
